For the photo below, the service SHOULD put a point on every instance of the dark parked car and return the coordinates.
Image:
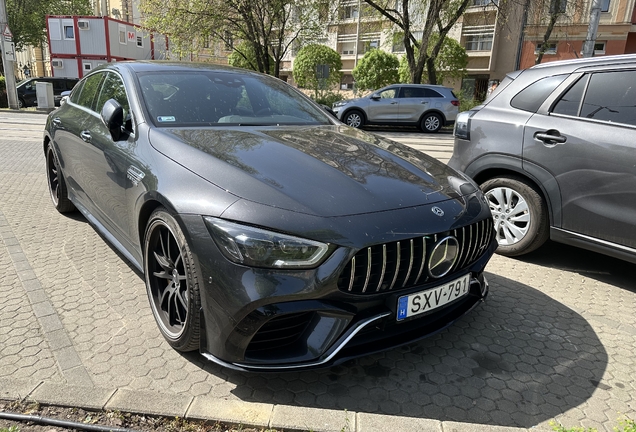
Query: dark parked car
(27, 96)
(553, 149)
(427, 106)
(270, 235)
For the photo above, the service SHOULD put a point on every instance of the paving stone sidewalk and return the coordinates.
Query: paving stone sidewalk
(555, 340)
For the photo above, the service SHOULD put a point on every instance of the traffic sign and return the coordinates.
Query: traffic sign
(6, 32)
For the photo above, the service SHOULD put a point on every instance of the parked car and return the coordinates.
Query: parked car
(270, 235)
(27, 96)
(553, 149)
(427, 106)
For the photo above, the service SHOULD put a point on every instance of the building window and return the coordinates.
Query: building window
(87, 67)
(599, 48)
(122, 35)
(347, 48)
(369, 45)
(551, 48)
(69, 33)
(206, 42)
(558, 6)
(605, 5)
(140, 39)
(481, 42)
(229, 41)
(347, 12)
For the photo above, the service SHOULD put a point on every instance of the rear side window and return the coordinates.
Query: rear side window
(571, 101)
(611, 96)
(531, 98)
(89, 91)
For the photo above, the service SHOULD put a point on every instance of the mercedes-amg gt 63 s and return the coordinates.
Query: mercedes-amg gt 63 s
(270, 235)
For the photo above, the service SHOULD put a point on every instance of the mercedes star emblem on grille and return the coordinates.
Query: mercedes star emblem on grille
(443, 257)
(438, 211)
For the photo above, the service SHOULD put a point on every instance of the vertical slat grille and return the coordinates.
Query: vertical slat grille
(403, 264)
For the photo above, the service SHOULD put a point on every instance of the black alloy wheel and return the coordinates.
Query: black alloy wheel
(56, 183)
(171, 282)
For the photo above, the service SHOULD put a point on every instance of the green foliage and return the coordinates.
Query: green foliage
(625, 425)
(466, 102)
(3, 84)
(450, 63)
(306, 63)
(10, 429)
(376, 69)
(329, 98)
(27, 18)
(244, 57)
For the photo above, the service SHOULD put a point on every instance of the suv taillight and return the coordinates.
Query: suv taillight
(455, 102)
(462, 125)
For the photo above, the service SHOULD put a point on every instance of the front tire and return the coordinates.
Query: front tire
(354, 118)
(431, 123)
(56, 182)
(171, 282)
(520, 215)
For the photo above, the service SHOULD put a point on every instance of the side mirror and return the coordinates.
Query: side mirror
(65, 95)
(375, 97)
(113, 118)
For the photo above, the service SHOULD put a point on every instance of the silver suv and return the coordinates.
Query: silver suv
(554, 149)
(428, 106)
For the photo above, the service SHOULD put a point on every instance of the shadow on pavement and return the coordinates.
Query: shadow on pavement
(518, 360)
(593, 265)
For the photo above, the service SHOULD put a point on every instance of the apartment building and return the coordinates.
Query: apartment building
(616, 31)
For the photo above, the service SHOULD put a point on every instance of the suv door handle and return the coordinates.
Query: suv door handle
(57, 122)
(550, 137)
(86, 136)
(393, 103)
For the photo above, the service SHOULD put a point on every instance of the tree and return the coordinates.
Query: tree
(244, 57)
(306, 68)
(410, 15)
(27, 18)
(270, 27)
(376, 69)
(450, 62)
(547, 16)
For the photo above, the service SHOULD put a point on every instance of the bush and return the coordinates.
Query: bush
(329, 98)
(375, 70)
(466, 102)
(306, 64)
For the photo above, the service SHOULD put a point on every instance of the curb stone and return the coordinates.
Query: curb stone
(289, 418)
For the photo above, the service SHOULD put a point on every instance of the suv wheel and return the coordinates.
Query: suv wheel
(21, 103)
(520, 215)
(431, 123)
(354, 118)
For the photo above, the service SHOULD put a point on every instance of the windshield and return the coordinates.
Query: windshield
(222, 98)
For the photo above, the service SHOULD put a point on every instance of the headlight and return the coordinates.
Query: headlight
(339, 104)
(462, 125)
(256, 247)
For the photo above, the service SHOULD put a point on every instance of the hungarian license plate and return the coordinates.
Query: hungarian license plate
(431, 299)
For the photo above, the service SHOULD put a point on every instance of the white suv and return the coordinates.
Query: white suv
(428, 106)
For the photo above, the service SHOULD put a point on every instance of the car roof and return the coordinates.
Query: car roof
(163, 65)
(589, 61)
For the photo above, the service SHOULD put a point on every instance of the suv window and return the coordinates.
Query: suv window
(611, 96)
(531, 98)
(387, 94)
(113, 88)
(571, 101)
(419, 92)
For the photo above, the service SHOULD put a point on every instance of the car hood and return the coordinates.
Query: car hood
(319, 170)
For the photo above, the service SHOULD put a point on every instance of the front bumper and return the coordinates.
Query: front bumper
(271, 319)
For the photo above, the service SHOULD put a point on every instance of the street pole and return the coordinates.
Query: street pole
(592, 28)
(9, 76)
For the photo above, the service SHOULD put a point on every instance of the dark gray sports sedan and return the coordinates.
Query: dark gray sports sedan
(270, 235)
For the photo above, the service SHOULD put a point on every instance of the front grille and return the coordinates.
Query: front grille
(402, 264)
(280, 332)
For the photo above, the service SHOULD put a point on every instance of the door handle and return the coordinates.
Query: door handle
(393, 103)
(551, 137)
(86, 136)
(424, 102)
(57, 122)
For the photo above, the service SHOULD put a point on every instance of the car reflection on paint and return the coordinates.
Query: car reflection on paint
(270, 235)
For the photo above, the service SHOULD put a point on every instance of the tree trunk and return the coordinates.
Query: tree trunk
(546, 37)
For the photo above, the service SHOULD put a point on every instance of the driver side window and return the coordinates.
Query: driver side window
(387, 94)
(113, 88)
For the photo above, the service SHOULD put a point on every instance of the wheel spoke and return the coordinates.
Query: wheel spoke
(163, 262)
(163, 275)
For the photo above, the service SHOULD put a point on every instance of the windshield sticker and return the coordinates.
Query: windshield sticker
(162, 119)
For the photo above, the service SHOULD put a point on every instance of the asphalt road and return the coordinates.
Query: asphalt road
(555, 340)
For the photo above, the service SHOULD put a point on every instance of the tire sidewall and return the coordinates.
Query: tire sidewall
(426, 117)
(187, 340)
(538, 228)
